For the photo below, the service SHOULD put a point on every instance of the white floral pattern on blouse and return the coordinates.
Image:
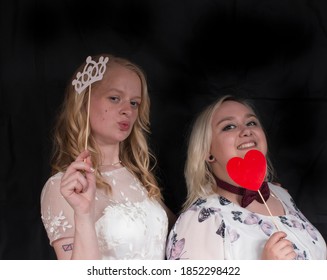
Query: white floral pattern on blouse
(129, 224)
(215, 228)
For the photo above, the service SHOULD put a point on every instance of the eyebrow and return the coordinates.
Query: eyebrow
(247, 116)
(137, 97)
(118, 91)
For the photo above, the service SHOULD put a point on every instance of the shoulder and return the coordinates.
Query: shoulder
(202, 210)
(197, 231)
(278, 190)
(52, 186)
(54, 179)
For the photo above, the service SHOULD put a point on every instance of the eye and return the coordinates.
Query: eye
(114, 99)
(229, 127)
(252, 123)
(134, 104)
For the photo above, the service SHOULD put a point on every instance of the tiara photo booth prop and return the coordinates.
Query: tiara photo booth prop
(92, 72)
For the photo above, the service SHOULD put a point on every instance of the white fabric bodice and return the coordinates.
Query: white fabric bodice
(129, 224)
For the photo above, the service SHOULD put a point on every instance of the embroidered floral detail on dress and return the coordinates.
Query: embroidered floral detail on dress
(54, 225)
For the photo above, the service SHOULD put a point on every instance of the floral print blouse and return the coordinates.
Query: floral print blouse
(215, 228)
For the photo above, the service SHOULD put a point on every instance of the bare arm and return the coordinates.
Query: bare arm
(78, 187)
(64, 248)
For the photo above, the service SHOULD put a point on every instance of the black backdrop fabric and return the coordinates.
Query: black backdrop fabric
(273, 51)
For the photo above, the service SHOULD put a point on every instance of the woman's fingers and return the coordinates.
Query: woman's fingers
(276, 236)
(76, 182)
(83, 155)
(277, 247)
(286, 249)
(77, 175)
(78, 166)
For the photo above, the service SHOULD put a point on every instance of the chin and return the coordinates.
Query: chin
(123, 137)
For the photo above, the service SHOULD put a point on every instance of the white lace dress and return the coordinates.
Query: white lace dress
(129, 224)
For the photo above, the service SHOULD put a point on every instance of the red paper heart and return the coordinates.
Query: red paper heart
(249, 172)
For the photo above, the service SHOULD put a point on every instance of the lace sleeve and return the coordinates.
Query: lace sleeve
(56, 214)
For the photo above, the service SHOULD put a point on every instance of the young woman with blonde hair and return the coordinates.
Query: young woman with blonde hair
(103, 200)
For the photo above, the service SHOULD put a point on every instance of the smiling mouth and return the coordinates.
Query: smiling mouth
(247, 146)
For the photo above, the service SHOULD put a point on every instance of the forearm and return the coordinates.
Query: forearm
(85, 239)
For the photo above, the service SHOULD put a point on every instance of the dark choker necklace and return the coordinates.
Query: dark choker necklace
(247, 195)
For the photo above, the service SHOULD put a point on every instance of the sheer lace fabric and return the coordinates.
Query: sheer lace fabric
(129, 224)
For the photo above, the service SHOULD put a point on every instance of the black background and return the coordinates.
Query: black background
(273, 51)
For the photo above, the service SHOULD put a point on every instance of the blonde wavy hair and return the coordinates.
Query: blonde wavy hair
(198, 172)
(70, 133)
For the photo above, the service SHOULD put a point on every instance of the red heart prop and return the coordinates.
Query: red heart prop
(249, 172)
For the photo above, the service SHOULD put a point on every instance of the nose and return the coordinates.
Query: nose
(125, 108)
(245, 131)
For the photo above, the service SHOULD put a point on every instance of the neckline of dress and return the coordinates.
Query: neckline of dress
(284, 205)
(114, 170)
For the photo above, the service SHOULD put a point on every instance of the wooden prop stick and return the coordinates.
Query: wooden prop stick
(268, 210)
(88, 118)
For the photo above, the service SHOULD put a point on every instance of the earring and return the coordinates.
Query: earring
(211, 158)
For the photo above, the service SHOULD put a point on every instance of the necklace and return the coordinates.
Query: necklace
(112, 164)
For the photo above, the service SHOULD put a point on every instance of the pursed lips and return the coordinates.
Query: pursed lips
(124, 126)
